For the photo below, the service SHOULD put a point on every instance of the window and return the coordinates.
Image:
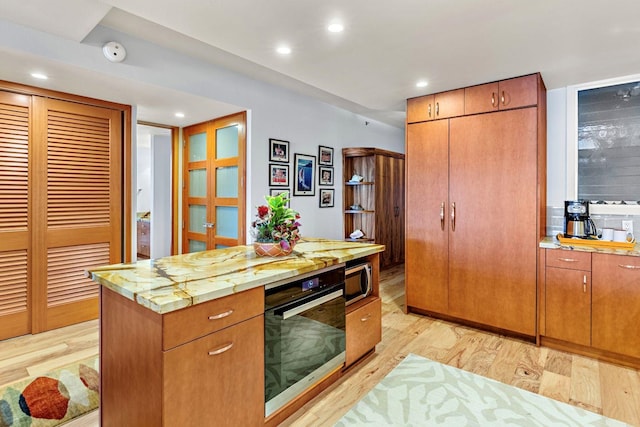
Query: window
(604, 144)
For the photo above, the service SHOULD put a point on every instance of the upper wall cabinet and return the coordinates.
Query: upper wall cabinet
(439, 106)
(503, 95)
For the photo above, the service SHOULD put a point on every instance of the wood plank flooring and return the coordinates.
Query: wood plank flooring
(611, 390)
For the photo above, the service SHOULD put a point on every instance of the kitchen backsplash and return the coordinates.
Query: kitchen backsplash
(555, 221)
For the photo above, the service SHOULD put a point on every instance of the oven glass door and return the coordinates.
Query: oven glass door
(304, 341)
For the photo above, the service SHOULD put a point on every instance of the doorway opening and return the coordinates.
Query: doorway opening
(156, 190)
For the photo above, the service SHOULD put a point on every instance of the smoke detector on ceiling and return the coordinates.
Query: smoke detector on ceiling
(114, 51)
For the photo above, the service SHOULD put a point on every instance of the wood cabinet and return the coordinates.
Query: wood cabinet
(439, 106)
(184, 366)
(375, 205)
(364, 328)
(616, 304)
(568, 296)
(216, 377)
(143, 238)
(505, 94)
(474, 217)
(591, 305)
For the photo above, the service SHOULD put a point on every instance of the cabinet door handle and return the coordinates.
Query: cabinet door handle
(629, 267)
(584, 283)
(502, 98)
(493, 99)
(209, 224)
(442, 215)
(437, 108)
(453, 216)
(221, 349)
(365, 318)
(221, 315)
(567, 260)
(429, 110)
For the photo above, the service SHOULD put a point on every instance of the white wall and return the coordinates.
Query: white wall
(556, 147)
(161, 207)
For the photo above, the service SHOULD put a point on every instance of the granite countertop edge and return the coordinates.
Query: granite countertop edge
(172, 283)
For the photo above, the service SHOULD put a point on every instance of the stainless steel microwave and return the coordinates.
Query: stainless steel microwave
(357, 282)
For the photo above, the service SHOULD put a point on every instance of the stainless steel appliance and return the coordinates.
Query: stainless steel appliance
(357, 281)
(304, 333)
(577, 222)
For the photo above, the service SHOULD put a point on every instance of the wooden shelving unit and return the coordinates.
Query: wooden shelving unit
(380, 194)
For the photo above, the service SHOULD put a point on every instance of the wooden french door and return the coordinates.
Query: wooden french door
(214, 189)
(61, 170)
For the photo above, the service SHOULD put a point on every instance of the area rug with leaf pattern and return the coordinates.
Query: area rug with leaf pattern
(51, 399)
(421, 392)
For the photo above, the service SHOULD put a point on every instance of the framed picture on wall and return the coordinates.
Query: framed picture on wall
(305, 169)
(325, 175)
(278, 175)
(326, 197)
(325, 156)
(277, 191)
(278, 151)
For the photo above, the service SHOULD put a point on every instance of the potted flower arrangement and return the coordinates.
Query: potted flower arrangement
(276, 227)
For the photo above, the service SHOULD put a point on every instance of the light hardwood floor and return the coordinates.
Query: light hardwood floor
(611, 390)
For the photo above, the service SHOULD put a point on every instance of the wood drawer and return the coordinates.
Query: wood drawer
(217, 379)
(364, 330)
(196, 321)
(572, 260)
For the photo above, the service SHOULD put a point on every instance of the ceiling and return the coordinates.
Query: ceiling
(369, 68)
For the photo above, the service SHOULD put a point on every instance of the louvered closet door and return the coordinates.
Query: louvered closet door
(14, 215)
(76, 207)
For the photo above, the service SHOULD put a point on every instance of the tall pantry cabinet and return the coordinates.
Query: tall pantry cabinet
(475, 201)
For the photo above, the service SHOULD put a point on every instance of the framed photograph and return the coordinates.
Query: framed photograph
(278, 151)
(326, 197)
(325, 175)
(305, 180)
(325, 156)
(276, 191)
(278, 175)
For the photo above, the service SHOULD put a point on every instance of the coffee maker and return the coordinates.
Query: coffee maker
(577, 223)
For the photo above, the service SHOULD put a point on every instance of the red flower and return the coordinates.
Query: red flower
(262, 211)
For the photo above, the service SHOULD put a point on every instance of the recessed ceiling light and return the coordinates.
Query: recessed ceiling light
(335, 27)
(422, 83)
(40, 76)
(283, 50)
(179, 115)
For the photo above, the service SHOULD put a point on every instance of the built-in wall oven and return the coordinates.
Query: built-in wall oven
(304, 333)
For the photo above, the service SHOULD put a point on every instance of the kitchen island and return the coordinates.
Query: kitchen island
(182, 337)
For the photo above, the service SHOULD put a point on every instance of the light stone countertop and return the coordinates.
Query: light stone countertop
(167, 284)
(550, 242)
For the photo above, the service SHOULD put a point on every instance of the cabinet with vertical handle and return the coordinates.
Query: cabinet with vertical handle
(474, 217)
(567, 297)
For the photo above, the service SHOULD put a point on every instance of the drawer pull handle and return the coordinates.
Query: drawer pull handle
(365, 318)
(629, 267)
(221, 349)
(567, 259)
(221, 315)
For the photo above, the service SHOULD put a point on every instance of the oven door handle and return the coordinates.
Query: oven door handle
(311, 304)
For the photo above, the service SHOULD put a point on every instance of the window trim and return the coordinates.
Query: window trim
(572, 145)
